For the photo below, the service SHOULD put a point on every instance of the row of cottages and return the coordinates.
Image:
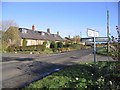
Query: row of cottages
(34, 37)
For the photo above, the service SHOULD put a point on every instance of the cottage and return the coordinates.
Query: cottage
(34, 37)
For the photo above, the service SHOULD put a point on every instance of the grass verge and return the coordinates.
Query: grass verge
(102, 76)
(103, 51)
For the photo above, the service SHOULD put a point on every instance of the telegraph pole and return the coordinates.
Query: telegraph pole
(108, 32)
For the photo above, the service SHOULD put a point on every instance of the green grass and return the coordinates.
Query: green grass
(83, 77)
(103, 51)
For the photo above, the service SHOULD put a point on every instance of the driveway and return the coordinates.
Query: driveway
(18, 70)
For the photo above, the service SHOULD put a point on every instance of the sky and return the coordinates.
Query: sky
(69, 18)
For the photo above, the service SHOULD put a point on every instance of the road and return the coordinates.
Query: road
(19, 70)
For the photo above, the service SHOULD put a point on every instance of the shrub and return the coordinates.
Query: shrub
(115, 52)
(10, 49)
(53, 46)
(26, 48)
(66, 45)
(45, 43)
(59, 44)
(40, 47)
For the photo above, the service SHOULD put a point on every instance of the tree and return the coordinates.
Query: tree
(7, 23)
(11, 37)
(1, 33)
(76, 39)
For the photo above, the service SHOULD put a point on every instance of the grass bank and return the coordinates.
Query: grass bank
(103, 51)
(102, 76)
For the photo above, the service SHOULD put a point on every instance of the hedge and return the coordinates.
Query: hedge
(74, 46)
(26, 48)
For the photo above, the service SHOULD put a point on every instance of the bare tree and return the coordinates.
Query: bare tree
(5, 24)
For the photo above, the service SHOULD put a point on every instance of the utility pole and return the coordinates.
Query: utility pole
(108, 32)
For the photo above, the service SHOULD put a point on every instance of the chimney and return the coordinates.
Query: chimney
(33, 27)
(48, 30)
(68, 36)
(58, 33)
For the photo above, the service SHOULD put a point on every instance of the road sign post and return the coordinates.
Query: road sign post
(92, 33)
(94, 49)
(93, 37)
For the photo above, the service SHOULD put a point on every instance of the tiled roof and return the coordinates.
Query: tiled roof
(38, 35)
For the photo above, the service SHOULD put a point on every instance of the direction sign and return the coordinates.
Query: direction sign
(92, 33)
(94, 38)
(97, 39)
(87, 39)
(101, 39)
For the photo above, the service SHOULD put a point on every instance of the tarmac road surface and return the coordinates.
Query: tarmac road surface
(19, 70)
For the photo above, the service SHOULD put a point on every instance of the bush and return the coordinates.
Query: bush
(59, 44)
(53, 46)
(10, 49)
(40, 47)
(115, 52)
(73, 46)
(45, 43)
(66, 45)
(26, 48)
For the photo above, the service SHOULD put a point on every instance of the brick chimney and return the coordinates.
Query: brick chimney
(48, 30)
(33, 27)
